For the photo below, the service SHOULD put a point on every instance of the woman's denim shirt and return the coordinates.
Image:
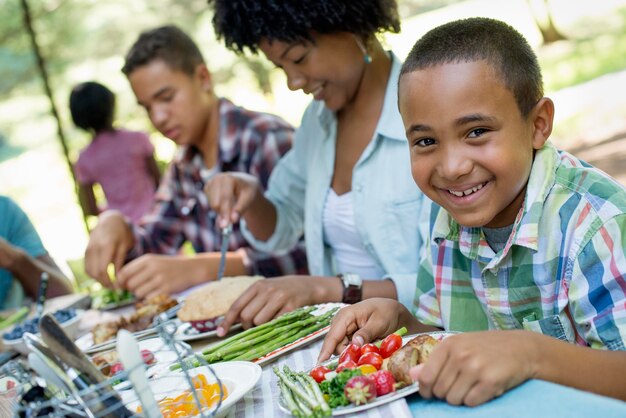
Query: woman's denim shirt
(391, 213)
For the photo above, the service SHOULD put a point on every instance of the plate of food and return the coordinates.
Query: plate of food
(264, 343)
(185, 331)
(361, 377)
(173, 391)
(102, 336)
(69, 319)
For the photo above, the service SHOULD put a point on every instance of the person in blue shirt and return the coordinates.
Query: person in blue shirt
(23, 259)
(347, 182)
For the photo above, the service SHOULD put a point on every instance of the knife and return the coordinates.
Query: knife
(41, 295)
(226, 231)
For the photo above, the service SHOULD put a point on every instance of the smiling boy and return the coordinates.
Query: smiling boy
(523, 237)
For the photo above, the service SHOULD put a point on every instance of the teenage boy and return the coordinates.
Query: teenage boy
(172, 82)
(522, 237)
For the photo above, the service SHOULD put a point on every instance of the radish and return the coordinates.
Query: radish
(360, 390)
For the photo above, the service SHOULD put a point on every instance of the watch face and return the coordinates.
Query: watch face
(352, 279)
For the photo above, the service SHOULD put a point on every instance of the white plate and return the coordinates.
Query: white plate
(239, 377)
(186, 332)
(390, 397)
(85, 343)
(271, 356)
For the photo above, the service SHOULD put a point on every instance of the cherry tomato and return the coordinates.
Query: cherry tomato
(116, 368)
(351, 352)
(390, 345)
(319, 373)
(374, 359)
(348, 364)
(148, 357)
(369, 348)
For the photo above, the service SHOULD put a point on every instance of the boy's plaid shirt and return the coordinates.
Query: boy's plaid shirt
(566, 256)
(249, 142)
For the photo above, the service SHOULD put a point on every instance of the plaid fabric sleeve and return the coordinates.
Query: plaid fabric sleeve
(426, 308)
(160, 231)
(597, 291)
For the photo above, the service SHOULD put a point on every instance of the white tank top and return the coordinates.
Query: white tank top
(341, 236)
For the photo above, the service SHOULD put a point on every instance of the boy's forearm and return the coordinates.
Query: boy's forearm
(204, 266)
(598, 371)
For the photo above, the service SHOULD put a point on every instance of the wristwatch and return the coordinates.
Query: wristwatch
(352, 291)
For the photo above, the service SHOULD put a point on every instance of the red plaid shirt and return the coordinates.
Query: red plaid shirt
(249, 142)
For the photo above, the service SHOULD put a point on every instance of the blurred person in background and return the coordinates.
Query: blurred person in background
(347, 181)
(23, 259)
(121, 161)
(171, 81)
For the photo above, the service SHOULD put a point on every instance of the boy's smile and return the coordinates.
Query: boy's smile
(471, 148)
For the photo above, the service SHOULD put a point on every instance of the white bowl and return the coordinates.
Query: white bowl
(70, 327)
(239, 377)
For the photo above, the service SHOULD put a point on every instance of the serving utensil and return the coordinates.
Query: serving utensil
(226, 231)
(102, 397)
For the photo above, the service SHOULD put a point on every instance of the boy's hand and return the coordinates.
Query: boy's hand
(109, 242)
(231, 194)
(155, 274)
(365, 322)
(475, 367)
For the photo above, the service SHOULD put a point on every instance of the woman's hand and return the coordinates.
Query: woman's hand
(475, 367)
(366, 321)
(269, 298)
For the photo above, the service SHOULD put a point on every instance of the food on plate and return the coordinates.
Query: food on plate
(355, 378)
(185, 404)
(259, 341)
(111, 297)
(360, 390)
(32, 325)
(212, 301)
(141, 319)
(301, 394)
(109, 363)
(415, 352)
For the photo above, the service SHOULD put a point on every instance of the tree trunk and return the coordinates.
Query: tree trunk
(41, 65)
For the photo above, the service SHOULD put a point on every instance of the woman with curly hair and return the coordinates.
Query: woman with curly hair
(346, 184)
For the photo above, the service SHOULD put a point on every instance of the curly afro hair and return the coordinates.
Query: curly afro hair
(244, 23)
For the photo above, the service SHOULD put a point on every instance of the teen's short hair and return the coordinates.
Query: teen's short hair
(477, 39)
(244, 23)
(167, 43)
(92, 106)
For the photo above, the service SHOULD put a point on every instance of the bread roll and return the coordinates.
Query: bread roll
(214, 299)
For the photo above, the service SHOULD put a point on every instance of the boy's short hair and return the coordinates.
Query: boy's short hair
(167, 43)
(244, 23)
(475, 39)
(92, 106)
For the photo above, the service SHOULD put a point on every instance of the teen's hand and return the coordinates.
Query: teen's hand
(269, 298)
(365, 322)
(154, 274)
(109, 242)
(231, 194)
(475, 367)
